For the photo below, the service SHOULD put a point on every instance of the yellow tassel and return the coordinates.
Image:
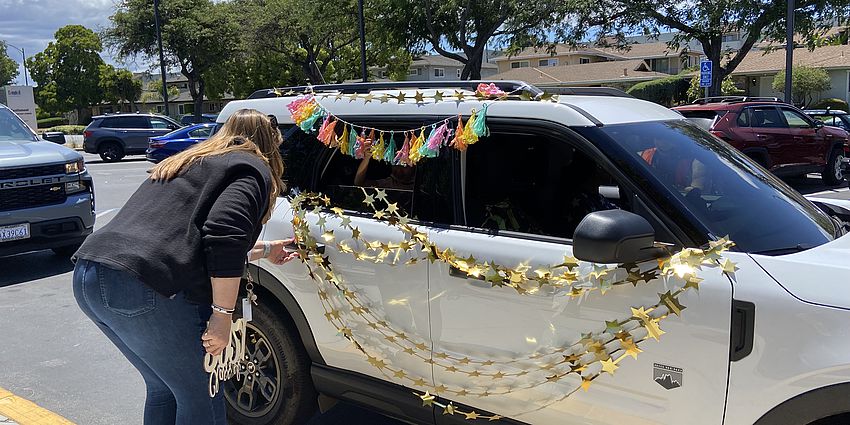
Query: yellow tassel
(342, 141)
(378, 148)
(414, 155)
(468, 134)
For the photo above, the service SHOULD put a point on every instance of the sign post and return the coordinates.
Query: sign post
(21, 101)
(705, 71)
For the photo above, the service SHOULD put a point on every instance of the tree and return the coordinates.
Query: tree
(68, 72)
(154, 92)
(119, 86)
(8, 67)
(197, 35)
(462, 30)
(706, 22)
(805, 83)
(727, 88)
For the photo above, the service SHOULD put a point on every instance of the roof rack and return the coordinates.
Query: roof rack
(588, 91)
(471, 85)
(734, 99)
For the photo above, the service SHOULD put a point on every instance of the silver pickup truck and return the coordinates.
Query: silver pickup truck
(46, 194)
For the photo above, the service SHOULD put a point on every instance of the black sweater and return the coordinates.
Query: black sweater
(174, 235)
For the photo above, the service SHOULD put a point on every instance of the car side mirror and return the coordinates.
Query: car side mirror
(615, 236)
(57, 137)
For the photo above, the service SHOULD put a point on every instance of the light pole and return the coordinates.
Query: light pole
(789, 49)
(161, 55)
(23, 62)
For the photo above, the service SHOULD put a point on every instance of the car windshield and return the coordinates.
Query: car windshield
(12, 128)
(726, 192)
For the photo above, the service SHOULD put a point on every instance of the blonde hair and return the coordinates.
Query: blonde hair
(247, 130)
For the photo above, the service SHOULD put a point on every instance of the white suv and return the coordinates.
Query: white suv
(765, 341)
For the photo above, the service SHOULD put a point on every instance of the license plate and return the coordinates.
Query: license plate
(14, 232)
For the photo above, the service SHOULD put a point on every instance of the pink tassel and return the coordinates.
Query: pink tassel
(402, 156)
(439, 138)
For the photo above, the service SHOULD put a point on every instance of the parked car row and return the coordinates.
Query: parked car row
(778, 136)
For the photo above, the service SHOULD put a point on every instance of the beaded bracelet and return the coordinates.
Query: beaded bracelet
(222, 310)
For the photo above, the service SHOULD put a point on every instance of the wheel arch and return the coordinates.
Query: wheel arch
(100, 142)
(287, 305)
(810, 406)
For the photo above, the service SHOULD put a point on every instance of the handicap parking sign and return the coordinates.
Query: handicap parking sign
(705, 73)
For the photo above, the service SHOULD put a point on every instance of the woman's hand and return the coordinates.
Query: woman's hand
(279, 254)
(217, 335)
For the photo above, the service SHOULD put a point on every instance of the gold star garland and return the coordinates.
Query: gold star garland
(588, 358)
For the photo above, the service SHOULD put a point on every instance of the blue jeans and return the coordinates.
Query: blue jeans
(160, 336)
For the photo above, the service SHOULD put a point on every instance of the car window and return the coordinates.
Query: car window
(722, 189)
(743, 118)
(766, 117)
(301, 153)
(795, 119)
(132, 122)
(11, 127)
(200, 133)
(160, 124)
(826, 119)
(533, 184)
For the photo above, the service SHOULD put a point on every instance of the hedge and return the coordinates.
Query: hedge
(833, 103)
(666, 91)
(67, 129)
(52, 122)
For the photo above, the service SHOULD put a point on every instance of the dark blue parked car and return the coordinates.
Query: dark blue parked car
(178, 140)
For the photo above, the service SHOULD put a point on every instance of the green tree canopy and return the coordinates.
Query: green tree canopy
(805, 83)
(154, 92)
(68, 71)
(8, 66)
(197, 35)
(705, 22)
(727, 88)
(119, 85)
(463, 30)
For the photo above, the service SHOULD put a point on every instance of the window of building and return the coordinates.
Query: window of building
(583, 60)
(512, 175)
(439, 72)
(660, 65)
(519, 64)
(160, 109)
(727, 38)
(185, 108)
(413, 71)
(548, 62)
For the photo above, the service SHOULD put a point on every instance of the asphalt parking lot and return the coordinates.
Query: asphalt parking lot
(52, 355)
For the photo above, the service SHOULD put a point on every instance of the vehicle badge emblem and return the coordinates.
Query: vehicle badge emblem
(668, 377)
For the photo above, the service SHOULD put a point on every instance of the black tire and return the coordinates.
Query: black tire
(110, 151)
(293, 399)
(66, 251)
(833, 173)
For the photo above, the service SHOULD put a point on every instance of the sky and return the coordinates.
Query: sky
(30, 24)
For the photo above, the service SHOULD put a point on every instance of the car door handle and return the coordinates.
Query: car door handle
(460, 274)
(798, 138)
(761, 136)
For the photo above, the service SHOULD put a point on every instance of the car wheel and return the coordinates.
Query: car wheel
(110, 152)
(833, 173)
(66, 251)
(274, 386)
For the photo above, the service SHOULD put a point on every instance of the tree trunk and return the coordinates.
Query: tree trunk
(472, 68)
(713, 51)
(199, 99)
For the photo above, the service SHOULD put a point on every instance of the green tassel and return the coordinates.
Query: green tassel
(308, 124)
(389, 151)
(479, 128)
(352, 141)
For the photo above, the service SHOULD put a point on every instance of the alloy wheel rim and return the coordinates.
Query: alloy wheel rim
(838, 171)
(253, 391)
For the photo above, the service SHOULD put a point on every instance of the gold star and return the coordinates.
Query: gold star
(672, 303)
(728, 266)
(458, 95)
(368, 200)
(462, 392)
(378, 363)
(449, 409)
(464, 360)
(385, 98)
(498, 375)
(585, 383)
(379, 214)
(337, 210)
(653, 329)
(451, 369)
(494, 418)
(346, 332)
(441, 389)
(352, 97)
(400, 97)
(381, 194)
(368, 98)
(609, 366)
(570, 262)
(346, 222)
(321, 222)
(409, 350)
(421, 383)
(421, 346)
(400, 374)
(438, 97)
(640, 314)
(474, 373)
(419, 98)
(612, 327)
(471, 415)
(392, 208)
(355, 233)
(693, 282)
(328, 236)
(427, 399)
(631, 348)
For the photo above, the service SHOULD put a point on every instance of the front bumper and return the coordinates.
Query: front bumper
(53, 226)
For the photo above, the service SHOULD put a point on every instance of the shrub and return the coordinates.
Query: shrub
(805, 83)
(52, 122)
(67, 129)
(832, 103)
(665, 91)
(727, 88)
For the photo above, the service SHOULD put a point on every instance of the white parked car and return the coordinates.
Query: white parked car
(596, 177)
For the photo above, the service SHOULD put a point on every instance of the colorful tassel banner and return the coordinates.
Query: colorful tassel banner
(378, 148)
(416, 147)
(403, 156)
(479, 128)
(352, 141)
(342, 141)
(389, 151)
(459, 143)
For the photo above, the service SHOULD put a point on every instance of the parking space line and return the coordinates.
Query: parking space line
(25, 412)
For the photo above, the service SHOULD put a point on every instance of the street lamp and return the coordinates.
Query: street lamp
(23, 62)
(161, 55)
(789, 49)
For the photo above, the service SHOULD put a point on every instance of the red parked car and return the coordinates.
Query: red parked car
(777, 135)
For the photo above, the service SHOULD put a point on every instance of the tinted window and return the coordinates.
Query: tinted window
(11, 127)
(691, 171)
(160, 124)
(532, 184)
(200, 133)
(301, 154)
(795, 119)
(743, 118)
(766, 117)
(132, 122)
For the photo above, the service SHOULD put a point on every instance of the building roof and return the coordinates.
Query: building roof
(633, 51)
(829, 57)
(602, 72)
(439, 60)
